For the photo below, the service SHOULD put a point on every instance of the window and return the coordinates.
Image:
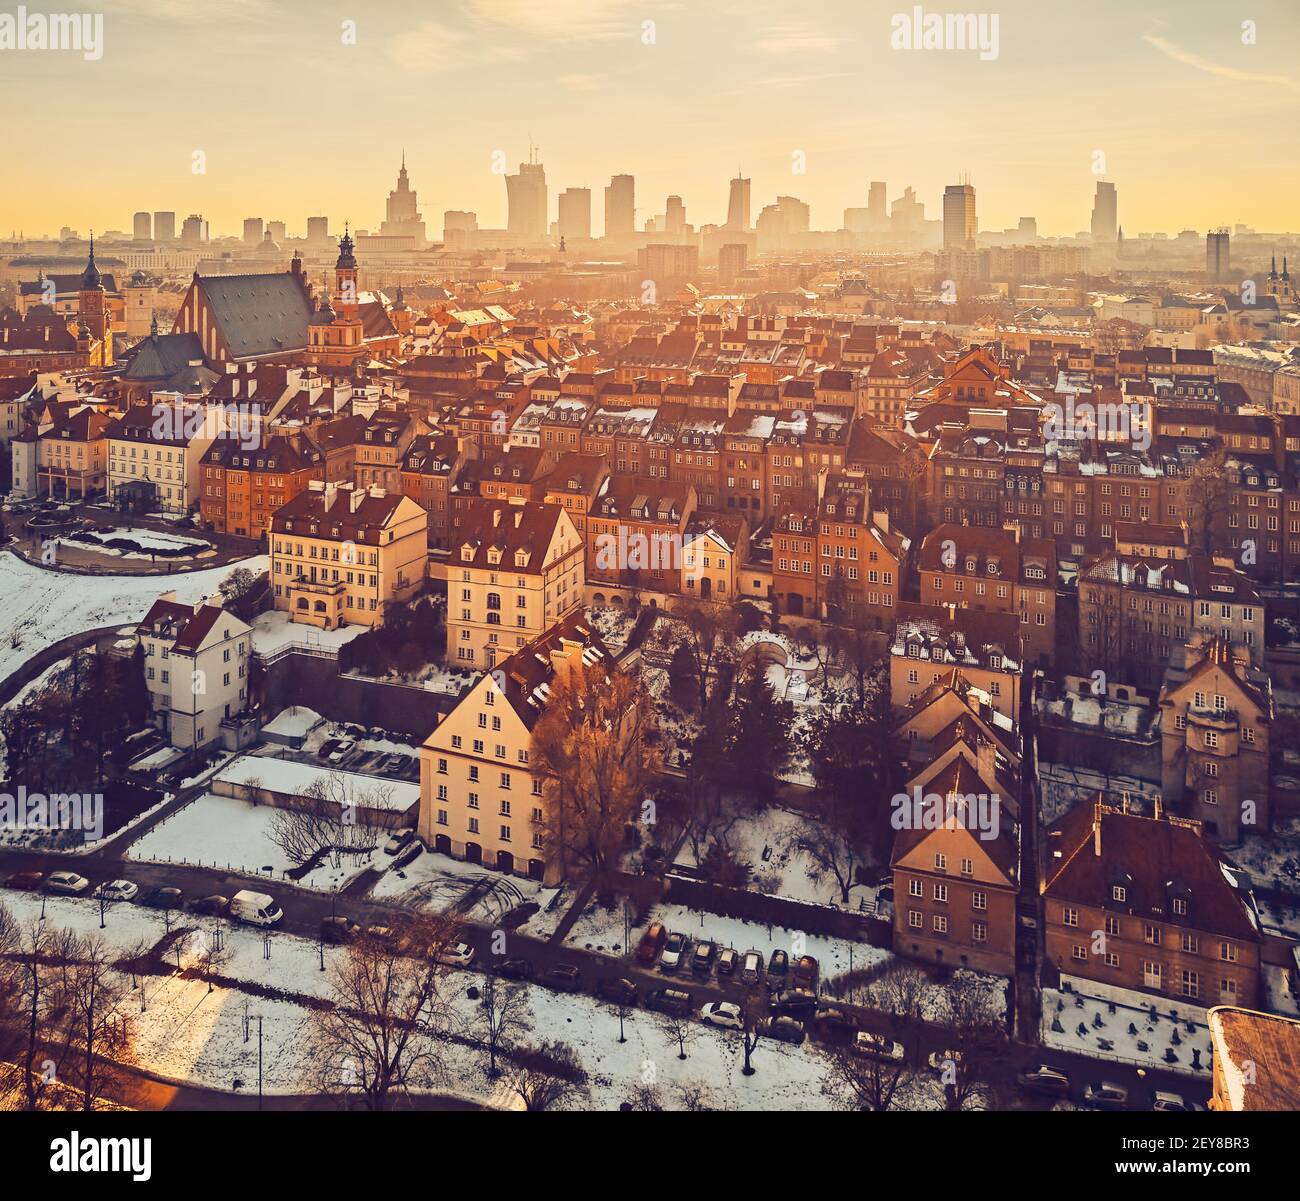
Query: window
(941, 893)
(1180, 907)
(915, 919)
(1070, 917)
(979, 932)
(979, 900)
(1190, 983)
(941, 923)
(915, 888)
(1151, 934)
(940, 862)
(1119, 893)
(1228, 952)
(1079, 953)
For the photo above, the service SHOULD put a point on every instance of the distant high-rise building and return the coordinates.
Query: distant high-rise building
(194, 231)
(253, 231)
(620, 207)
(142, 227)
(1218, 252)
(959, 224)
(906, 216)
(277, 231)
(164, 227)
(574, 213)
(731, 263)
(1105, 213)
(1028, 228)
(738, 204)
(318, 229)
(527, 201)
(858, 220)
(675, 216)
(459, 221)
(402, 218)
(876, 204)
(798, 217)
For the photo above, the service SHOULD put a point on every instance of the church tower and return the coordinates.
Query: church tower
(92, 303)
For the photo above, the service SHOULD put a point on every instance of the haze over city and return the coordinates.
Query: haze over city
(292, 120)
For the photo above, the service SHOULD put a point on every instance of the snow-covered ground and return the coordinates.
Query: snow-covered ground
(174, 545)
(188, 1034)
(39, 606)
(295, 722)
(1272, 858)
(614, 625)
(441, 884)
(1063, 786)
(292, 778)
(1129, 1034)
(273, 631)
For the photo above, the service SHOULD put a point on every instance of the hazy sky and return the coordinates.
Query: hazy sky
(1198, 129)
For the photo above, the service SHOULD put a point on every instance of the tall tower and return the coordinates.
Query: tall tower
(526, 197)
(91, 302)
(620, 207)
(1217, 254)
(402, 213)
(738, 206)
(345, 278)
(876, 205)
(575, 213)
(1105, 213)
(959, 217)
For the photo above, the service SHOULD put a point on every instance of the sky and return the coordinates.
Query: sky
(302, 109)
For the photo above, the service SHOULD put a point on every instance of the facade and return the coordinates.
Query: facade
(480, 798)
(1146, 904)
(155, 450)
(341, 555)
(241, 489)
(514, 570)
(196, 661)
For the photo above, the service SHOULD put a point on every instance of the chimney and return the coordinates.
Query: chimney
(496, 517)
(881, 519)
(331, 491)
(1159, 803)
(355, 497)
(519, 518)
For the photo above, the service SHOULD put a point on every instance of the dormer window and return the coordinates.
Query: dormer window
(1119, 893)
(467, 554)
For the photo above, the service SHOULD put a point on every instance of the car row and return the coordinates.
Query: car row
(1049, 1081)
(672, 950)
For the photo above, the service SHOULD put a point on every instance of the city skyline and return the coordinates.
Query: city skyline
(600, 101)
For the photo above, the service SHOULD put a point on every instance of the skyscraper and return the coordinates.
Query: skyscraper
(959, 217)
(527, 201)
(675, 216)
(731, 263)
(402, 218)
(318, 229)
(1218, 252)
(620, 207)
(738, 205)
(194, 232)
(142, 227)
(574, 219)
(164, 227)
(252, 231)
(876, 202)
(1105, 213)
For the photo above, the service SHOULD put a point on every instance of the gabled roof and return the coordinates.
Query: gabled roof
(258, 314)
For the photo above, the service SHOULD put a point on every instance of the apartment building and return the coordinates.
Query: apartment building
(196, 661)
(515, 569)
(481, 799)
(154, 452)
(340, 555)
(1146, 904)
(241, 489)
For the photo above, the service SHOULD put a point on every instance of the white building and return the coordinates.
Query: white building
(196, 660)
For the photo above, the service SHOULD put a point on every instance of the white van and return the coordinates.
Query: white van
(256, 908)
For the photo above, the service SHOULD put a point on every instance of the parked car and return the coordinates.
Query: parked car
(652, 941)
(751, 967)
(162, 897)
(345, 747)
(727, 960)
(878, 1047)
(778, 967)
(211, 906)
(338, 929)
(116, 890)
(1105, 1094)
(793, 1003)
(670, 959)
(67, 883)
(399, 840)
(460, 954)
(702, 960)
(565, 977)
(1043, 1078)
(617, 989)
(805, 974)
(723, 1014)
(381, 934)
(25, 880)
(669, 1000)
(786, 1030)
(1166, 1102)
(835, 1022)
(408, 854)
(514, 969)
(518, 915)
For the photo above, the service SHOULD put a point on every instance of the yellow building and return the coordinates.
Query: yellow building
(515, 569)
(480, 798)
(154, 450)
(72, 456)
(341, 555)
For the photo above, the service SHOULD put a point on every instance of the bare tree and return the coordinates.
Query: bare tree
(331, 816)
(547, 1075)
(710, 631)
(385, 1029)
(681, 1029)
(644, 1096)
(977, 1039)
(502, 1014)
(99, 1035)
(865, 1083)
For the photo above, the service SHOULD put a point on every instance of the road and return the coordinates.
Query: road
(304, 910)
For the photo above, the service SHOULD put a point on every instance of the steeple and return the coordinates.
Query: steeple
(90, 277)
(346, 258)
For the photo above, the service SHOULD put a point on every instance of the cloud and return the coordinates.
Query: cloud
(794, 37)
(783, 83)
(1190, 59)
(561, 20)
